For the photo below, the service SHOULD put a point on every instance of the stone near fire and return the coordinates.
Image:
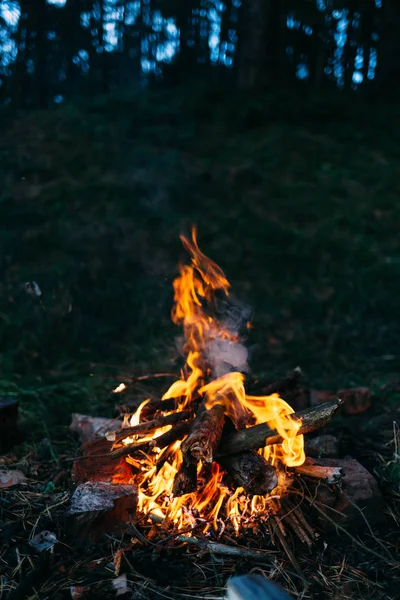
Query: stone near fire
(95, 464)
(356, 400)
(97, 508)
(89, 428)
(358, 497)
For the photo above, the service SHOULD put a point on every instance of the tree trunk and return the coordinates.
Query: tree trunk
(251, 60)
(388, 66)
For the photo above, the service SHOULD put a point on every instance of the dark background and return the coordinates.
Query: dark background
(272, 126)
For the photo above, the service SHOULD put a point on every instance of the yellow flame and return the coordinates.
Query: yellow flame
(193, 301)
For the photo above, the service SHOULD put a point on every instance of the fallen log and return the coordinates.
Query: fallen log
(205, 435)
(250, 471)
(262, 435)
(148, 426)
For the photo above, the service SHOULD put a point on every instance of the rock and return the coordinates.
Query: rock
(322, 446)
(357, 495)
(96, 465)
(97, 508)
(356, 400)
(89, 428)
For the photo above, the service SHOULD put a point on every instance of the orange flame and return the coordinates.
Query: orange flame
(212, 501)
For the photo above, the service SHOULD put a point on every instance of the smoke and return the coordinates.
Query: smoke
(223, 354)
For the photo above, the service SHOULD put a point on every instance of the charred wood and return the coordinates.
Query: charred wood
(148, 426)
(262, 435)
(176, 433)
(205, 435)
(250, 471)
(185, 481)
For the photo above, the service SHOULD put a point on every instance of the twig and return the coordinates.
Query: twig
(148, 426)
(311, 468)
(288, 551)
(215, 548)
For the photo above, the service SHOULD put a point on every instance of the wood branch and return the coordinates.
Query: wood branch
(205, 435)
(287, 384)
(148, 426)
(185, 481)
(155, 404)
(250, 471)
(176, 433)
(311, 468)
(223, 549)
(262, 435)
(215, 548)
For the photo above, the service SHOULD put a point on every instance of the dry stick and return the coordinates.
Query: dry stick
(288, 551)
(161, 442)
(311, 469)
(215, 548)
(250, 471)
(262, 435)
(153, 405)
(148, 426)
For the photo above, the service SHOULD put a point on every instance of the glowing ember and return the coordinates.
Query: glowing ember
(212, 502)
(120, 388)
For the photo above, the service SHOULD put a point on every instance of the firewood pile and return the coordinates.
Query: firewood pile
(207, 462)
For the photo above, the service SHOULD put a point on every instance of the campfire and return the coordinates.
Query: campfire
(207, 454)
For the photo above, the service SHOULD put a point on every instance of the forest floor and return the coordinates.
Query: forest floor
(300, 208)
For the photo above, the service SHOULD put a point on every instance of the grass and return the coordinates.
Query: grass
(297, 203)
(303, 218)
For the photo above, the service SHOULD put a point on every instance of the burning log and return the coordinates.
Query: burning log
(250, 471)
(311, 468)
(176, 433)
(262, 435)
(205, 435)
(148, 426)
(185, 481)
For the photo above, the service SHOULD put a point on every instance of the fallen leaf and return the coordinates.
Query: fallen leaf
(10, 478)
